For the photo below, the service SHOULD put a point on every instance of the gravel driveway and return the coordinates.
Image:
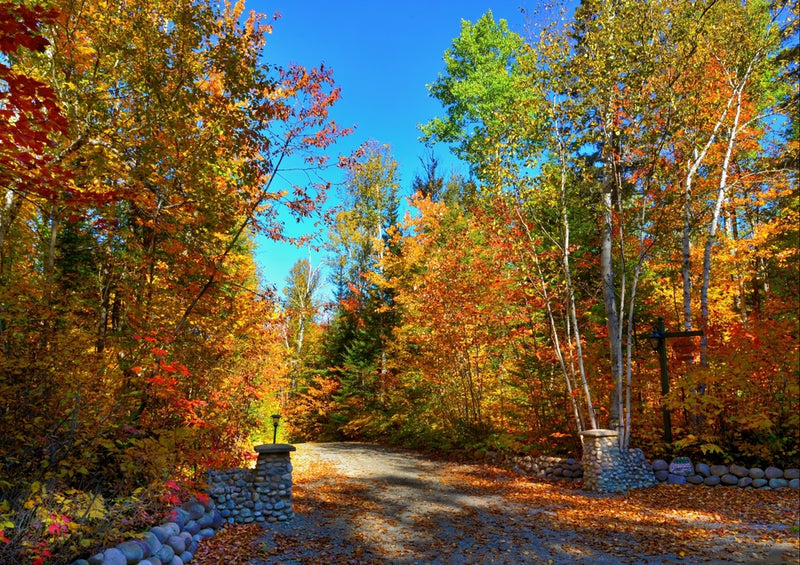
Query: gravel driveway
(382, 505)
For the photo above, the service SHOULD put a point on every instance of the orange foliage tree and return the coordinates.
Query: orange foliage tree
(140, 144)
(472, 365)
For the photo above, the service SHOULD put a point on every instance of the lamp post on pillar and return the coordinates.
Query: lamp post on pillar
(275, 419)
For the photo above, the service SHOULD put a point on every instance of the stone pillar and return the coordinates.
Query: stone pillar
(272, 481)
(600, 455)
(607, 469)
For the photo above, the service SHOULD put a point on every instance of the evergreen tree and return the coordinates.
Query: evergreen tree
(356, 340)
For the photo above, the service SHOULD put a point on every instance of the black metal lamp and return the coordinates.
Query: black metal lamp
(275, 419)
(655, 338)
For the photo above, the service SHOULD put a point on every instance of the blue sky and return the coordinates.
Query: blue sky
(382, 53)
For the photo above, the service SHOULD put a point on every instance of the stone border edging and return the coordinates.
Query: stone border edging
(724, 475)
(174, 542)
(262, 494)
(547, 467)
(567, 469)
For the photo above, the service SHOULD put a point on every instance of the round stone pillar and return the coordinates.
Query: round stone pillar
(272, 481)
(607, 469)
(600, 459)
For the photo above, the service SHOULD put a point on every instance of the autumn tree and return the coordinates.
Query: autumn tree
(31, 116)
(495, 102)
(470, 364)
(482, 87)
(362, 324)
(301, 302)
(301, 308)
(138, 343)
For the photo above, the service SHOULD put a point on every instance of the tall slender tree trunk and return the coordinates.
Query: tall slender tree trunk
(557, 342)
(692, 166)
(105, 280)
(607, 281)
(686, 245)
(722, 191)
(51, 246)
(8, 213)
(572, 328)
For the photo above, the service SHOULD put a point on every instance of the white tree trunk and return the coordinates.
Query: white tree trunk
(607, 282)
(722, 191)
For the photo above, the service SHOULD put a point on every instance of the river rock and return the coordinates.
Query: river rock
(195, 509)
(177, 543)
(114, 556)
(756, 473)
(728, 479)
(760, 483)
(171, 528)
(702, 470)
(660, 465)
(217, 518)
(739, 471)
(745, 482)
(778, 483)
(773, 473)
(207, 519)
(694, 479)
(152, 543)
(180, 517)
(166, 553)
(790, 474)
(160, 532)
(794, 483)
(711, 481)
(661, 475)
(674, 479)
(718, 470)
(133, 551)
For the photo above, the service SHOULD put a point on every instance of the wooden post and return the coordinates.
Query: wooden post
(661, 336)
(662, 361)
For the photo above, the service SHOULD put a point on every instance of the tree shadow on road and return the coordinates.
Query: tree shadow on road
(400, 507)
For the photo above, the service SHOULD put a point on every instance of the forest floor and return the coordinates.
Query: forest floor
(359, 503)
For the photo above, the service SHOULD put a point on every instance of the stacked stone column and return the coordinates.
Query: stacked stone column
(259, 495)
(272, 481)
(607, 469)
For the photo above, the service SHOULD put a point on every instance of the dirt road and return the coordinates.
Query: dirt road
(362, 503)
